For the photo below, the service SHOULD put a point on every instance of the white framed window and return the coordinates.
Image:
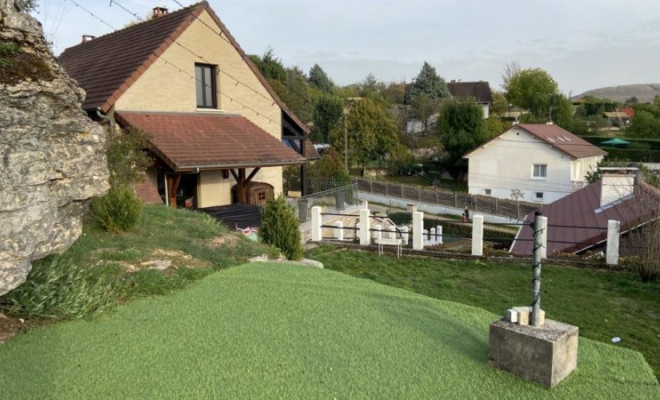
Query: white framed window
(488, 192)
(540, 171)
(539, 195)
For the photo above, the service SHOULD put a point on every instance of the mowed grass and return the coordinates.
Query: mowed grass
(281, 331)
(603, 304)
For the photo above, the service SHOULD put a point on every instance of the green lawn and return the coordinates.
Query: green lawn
(279, 331)
(603, 304)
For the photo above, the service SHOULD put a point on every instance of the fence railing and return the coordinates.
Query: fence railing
(486, 204)
(337, 198)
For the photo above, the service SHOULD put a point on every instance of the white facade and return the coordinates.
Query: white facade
(517, 161)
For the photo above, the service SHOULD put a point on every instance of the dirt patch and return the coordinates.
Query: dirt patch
(224, 241)
(11, 326)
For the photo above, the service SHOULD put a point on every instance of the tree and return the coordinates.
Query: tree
(425, 94)
(462, 128)
(319, 79)
(294, 91)
(327, 115)
(280, 228)
(330, 166)
(500, 104)
(532, 90)
(371, 133)
(644, 125)
(271, 67)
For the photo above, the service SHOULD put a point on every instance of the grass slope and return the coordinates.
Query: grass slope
(279, 331)
(604, 304)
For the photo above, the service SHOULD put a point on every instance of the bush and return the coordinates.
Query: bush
(119, 210)
(280, 228)
(59, 289)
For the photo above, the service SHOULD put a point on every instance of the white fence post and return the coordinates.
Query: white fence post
(339, 231)
(478, 235)
(438, 231)
(392, 232)
(418, 230)
(404, 234)
(613, 234)
(433, 239)
(378, 233)
(426, 237)
(317, 221)
(365, 234)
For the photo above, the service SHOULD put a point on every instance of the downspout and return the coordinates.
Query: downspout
(105, 117)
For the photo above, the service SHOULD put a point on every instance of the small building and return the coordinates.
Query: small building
(478, 91)
(579, 221)
(620, 119)
(532, 162)
(215, 124)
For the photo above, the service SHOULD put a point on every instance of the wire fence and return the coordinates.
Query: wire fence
(337, 198)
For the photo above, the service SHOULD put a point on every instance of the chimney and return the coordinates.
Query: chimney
(616, 184)
(159, 12)
(87, 38)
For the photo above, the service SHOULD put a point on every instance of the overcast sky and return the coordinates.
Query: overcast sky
(583, 44)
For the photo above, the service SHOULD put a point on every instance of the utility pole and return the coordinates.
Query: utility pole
(345, 142)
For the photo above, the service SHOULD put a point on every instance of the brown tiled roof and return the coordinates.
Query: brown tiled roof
(578, 225)
(480, 91)
(186, 141)
(108, 65)
(147, 192)
(562, 140)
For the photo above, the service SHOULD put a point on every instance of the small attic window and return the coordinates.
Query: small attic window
(551, 140)
(205, 86)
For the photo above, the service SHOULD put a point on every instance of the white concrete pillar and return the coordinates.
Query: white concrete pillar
(426, 237)
(404, 234)
(339, 231)
(378, 232)
(392, 232)
(317, 221)
(434, 239)
(418, 230)
(364, 204)
(613, 235)
(365, 234)
(438, 232)
(478, 235)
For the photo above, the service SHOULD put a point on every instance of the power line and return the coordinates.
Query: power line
(92, 14)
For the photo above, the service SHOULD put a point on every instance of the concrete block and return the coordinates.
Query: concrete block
(545, 355)
(511, 316)
(524, 314)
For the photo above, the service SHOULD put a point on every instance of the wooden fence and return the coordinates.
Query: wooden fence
(476, 203)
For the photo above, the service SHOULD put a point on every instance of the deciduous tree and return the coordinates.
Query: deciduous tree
(532, 90)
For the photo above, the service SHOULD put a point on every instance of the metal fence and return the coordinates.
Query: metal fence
(476, 203)
(334, 199)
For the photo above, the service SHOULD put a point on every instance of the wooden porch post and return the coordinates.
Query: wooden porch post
(173, 185)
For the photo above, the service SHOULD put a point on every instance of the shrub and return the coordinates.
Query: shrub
(59, 289)
(280, 228)
(119, 210)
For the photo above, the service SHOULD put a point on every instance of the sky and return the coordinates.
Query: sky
(583, 44)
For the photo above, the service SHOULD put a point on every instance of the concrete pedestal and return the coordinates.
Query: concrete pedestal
(545, 355)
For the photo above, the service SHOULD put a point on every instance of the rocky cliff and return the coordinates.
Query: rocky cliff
(51, 153)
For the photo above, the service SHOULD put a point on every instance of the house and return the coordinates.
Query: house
(219, 133)
(478, 91)
(532, 162)
(579, 221)
(620, 119)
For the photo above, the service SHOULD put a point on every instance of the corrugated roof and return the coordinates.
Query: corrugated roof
(562, 140)
(480, 91)
(578, 225)
(209, 141)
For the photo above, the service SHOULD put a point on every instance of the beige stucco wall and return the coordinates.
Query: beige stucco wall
(162, 87)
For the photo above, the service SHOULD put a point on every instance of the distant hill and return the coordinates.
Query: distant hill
(644, 92)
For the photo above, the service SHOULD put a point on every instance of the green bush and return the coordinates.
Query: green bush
(119, 210)
(59, 289)
(280, 228)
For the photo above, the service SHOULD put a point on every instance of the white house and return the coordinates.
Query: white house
(539, 163)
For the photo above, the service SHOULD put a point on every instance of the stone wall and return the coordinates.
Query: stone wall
(52, 157)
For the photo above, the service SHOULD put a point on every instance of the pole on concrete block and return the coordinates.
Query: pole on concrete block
(540, 225)
(365, 234)
(418, 230)
(478, 235)
(613, 235)
(339, 231)
(317, 231)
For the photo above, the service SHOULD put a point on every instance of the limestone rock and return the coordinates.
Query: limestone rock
(52, 158)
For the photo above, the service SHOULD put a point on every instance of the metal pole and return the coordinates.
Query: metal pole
(536, 270)
(345, 142)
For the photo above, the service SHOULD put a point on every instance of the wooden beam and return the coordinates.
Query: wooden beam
(173, 183)
(225, 174)
(252, 174)
(234, 174)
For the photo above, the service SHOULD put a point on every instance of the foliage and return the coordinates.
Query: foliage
(401, 159)
(425, 94)
(500, 104)
(532, 90)
(327, 116)
(516, 194)
(372, 134)
(17, 65)
(58, 289)
(395, 93)
(270, 66)
(127, 159)
(280, 228)
(462, 128)
(593, 176)
(330, 166)
(320, 80)
(119, 210)
(294, 91)
(644, 125)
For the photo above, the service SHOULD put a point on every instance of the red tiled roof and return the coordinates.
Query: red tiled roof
(580, 226)
(480, 91)
(562, 140)
(186, 141)
(108, 65)
(147, 192)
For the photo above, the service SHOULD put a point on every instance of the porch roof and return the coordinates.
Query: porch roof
(190, 141)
